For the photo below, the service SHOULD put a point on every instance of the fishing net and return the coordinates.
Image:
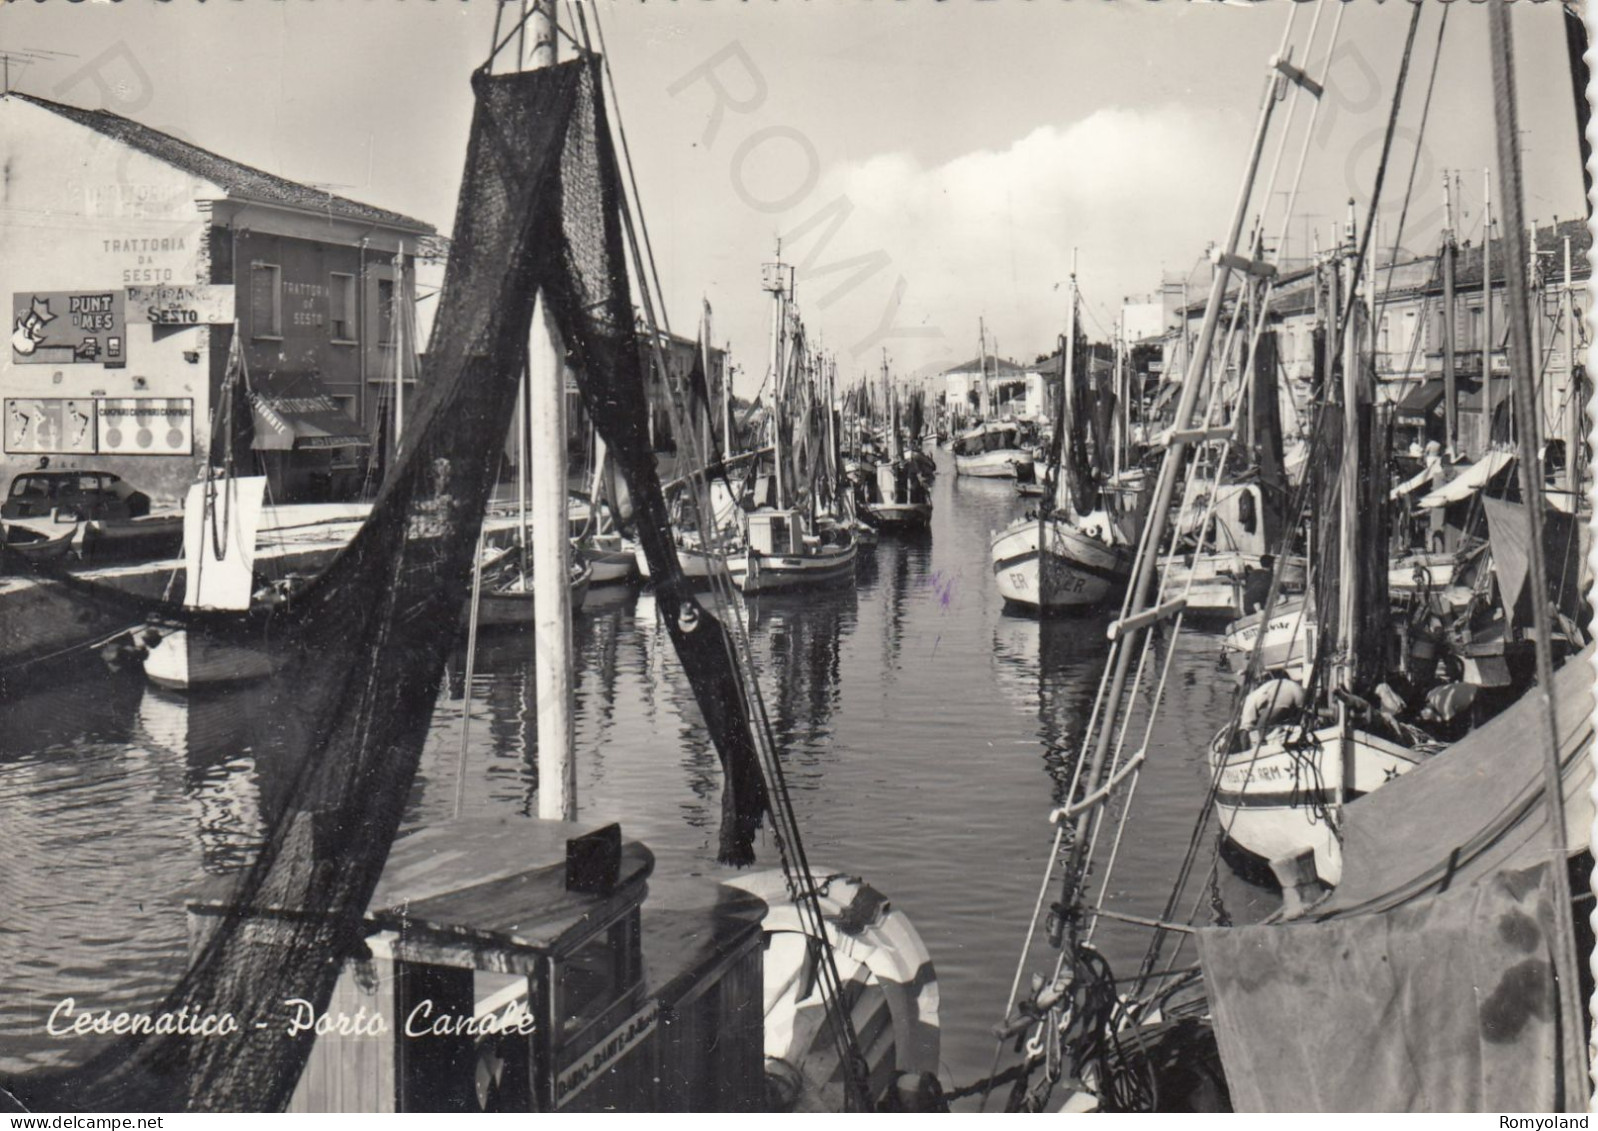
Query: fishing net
(365, 645)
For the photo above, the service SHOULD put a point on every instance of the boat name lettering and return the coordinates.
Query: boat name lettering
(65, 1020)
(575, 1077)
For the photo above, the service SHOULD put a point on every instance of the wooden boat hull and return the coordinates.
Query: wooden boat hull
(37, 546)
(887, 974)
(1001, 463)
(695, 564)
(514, 608)
(185, 661)
(1073, 571)
(1275, 806)
(891, 517)
(1289, 638)
(609, 567)
(754, 572)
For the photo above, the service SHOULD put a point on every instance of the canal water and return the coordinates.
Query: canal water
(925, 734)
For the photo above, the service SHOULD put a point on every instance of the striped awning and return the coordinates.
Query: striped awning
(299, 414)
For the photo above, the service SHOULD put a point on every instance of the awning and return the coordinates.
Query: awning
(1420, 400)
(297, 413)
(1474, 478)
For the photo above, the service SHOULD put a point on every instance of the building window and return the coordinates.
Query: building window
(341, 306)
(266, 300)
(385, 312)
(346, 405)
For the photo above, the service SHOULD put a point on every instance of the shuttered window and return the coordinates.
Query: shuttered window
(266, 300)
(341, 306)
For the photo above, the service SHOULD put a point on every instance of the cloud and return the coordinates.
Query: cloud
(990, 233)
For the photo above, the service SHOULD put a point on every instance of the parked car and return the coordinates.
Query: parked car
(117, 519)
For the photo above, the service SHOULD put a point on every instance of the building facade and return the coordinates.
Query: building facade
(129, 256)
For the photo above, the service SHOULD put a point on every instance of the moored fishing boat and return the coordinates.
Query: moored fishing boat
(1061, 559)
(1289, 638)
(1046, 566)
(507, 601)
(992, 451)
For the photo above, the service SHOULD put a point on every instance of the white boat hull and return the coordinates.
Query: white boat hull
(695, 564)
(754, 572)
(1074, 571)
(1002, 463)
(1275, 806)
(1289, 639)
(184, 661)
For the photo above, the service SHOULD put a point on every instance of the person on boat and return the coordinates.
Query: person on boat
(1257, 584)
(1274, 702)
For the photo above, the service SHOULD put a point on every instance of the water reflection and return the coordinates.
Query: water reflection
(1052, 668)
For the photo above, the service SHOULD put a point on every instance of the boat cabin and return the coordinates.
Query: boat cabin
(514, 968)
(775, 532)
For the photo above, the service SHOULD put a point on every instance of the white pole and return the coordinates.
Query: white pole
(404, 309)
(546, 411)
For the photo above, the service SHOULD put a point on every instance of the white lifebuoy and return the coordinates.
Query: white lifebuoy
(875, 944)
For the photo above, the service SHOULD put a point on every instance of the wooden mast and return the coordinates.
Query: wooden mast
(1575, 417)
(1489, 409)
(1450, 377)
(551, 549)
(1574, 1078)
(1348, 570)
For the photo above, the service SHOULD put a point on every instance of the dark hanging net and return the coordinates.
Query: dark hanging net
(367, 642)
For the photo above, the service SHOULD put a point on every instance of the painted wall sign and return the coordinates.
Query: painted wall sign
(611, 1048)
(193, 304)
(50, 424)
(146, 426)
(142, 259)
(67, 327)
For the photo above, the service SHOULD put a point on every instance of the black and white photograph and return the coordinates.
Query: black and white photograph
(920, 556)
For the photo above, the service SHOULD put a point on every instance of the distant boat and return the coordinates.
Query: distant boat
(992, 451)
(779, 557)
(508, 601)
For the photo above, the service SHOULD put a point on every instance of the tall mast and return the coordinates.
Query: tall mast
(776, 286)
(1572, 1044)
(1068, 396)
(545, 395)
(982, 381)
(1348, 588)
(1450, 379)
(1575, 418)
(1488, 407)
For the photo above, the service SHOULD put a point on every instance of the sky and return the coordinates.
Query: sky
(925, 165)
